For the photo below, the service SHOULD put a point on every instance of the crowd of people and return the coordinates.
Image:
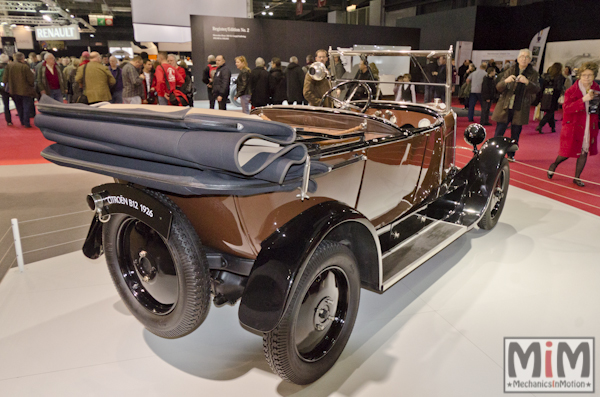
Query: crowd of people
(514, 89)
(265, 84)
(92, 78)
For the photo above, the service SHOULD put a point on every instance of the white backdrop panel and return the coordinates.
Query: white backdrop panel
(572, 53)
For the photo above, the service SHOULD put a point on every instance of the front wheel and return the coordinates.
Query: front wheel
(164, 283)
(498, 198)
(317, 324)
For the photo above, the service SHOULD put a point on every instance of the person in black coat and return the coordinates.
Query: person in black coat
(259, 84)
(207, 78)
(294, 77)
(221, 82)
(277, 84)
(552, 88)
(488, 94)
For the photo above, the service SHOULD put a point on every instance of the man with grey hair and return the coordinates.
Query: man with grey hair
(516, 85)
(172, 60)
(294, 77)
(207, 78)
(117, 89)
(20, 82)
(49, 80)
(259, 84)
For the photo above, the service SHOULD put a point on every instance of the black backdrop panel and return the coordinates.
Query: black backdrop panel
(265, 38)
(502, 28)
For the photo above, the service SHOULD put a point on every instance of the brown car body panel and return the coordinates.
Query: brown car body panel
(395, 176)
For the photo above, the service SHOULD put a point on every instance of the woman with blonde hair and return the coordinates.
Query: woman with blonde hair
(579, 134)
(243, 83)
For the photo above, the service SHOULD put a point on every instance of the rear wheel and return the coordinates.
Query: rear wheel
(498, 198)
(318, 322)
(164, 283)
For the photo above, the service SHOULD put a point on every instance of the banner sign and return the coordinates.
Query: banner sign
(57, 33)
(538, 43)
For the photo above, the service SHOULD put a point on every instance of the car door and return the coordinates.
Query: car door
(392, 175)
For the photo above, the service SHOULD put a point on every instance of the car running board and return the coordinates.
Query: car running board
(416, 250)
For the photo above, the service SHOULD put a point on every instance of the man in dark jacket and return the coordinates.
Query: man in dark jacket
(20, 82)
(207, 78)
(294, 77)
(277, 85)
(488, 94)
(516, 86)
(259, 84)
(221, 82)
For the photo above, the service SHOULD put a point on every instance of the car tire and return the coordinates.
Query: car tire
(164, 283)
(309, 338)
(498, 198)
(232, 99)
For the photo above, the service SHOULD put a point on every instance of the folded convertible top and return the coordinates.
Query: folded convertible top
(180, 150)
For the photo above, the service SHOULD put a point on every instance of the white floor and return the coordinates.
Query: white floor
(439, 332)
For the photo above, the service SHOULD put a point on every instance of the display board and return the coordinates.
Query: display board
(572, 53)
(500, 57)
(265, 38)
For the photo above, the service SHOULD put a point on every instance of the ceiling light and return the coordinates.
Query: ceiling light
(72, 16)
(304, 1)
(91, 35)
(263, 13)
(271, 13)
(47, 18)
(351, 7)
(267, 6)
(66, 9)
(13, 26)
(293, 1)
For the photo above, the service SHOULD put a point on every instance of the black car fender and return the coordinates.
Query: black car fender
(285, 254)
(118, 198)
(464, 196)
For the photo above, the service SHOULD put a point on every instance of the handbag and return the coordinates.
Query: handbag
(82, 98)
(537, 115)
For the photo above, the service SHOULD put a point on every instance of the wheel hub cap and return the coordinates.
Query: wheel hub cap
(322, 317)
(145, 267)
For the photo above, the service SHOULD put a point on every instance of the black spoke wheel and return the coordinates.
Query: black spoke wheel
(164, 283)
(497, 199)
(318, 322)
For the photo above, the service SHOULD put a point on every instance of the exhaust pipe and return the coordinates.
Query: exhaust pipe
(96, 203)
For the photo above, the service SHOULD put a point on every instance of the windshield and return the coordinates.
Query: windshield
(383, 71)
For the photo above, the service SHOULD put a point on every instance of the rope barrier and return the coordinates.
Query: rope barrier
(548, 180)
(54, 231)
(54, 216)
(8, 230)
(7, 251)
(52, 246)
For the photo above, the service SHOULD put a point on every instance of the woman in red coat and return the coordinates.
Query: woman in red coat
(579, 135)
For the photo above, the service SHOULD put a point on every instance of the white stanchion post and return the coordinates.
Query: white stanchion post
(18, 249)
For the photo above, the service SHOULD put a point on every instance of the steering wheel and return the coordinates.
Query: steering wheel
(346, 103)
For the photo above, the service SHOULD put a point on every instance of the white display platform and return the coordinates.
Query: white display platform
(439, 332)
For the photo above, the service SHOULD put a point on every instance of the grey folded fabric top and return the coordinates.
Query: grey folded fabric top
(206, 140)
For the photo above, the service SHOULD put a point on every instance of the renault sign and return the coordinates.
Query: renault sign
(70, 32)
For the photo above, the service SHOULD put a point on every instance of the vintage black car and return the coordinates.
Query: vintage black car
(290, 211)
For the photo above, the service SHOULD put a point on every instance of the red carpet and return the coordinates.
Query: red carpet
(19, 145)
(536, 153)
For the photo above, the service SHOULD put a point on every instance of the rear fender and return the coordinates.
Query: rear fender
(117, 198)
(285, 254)
(464, 196)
